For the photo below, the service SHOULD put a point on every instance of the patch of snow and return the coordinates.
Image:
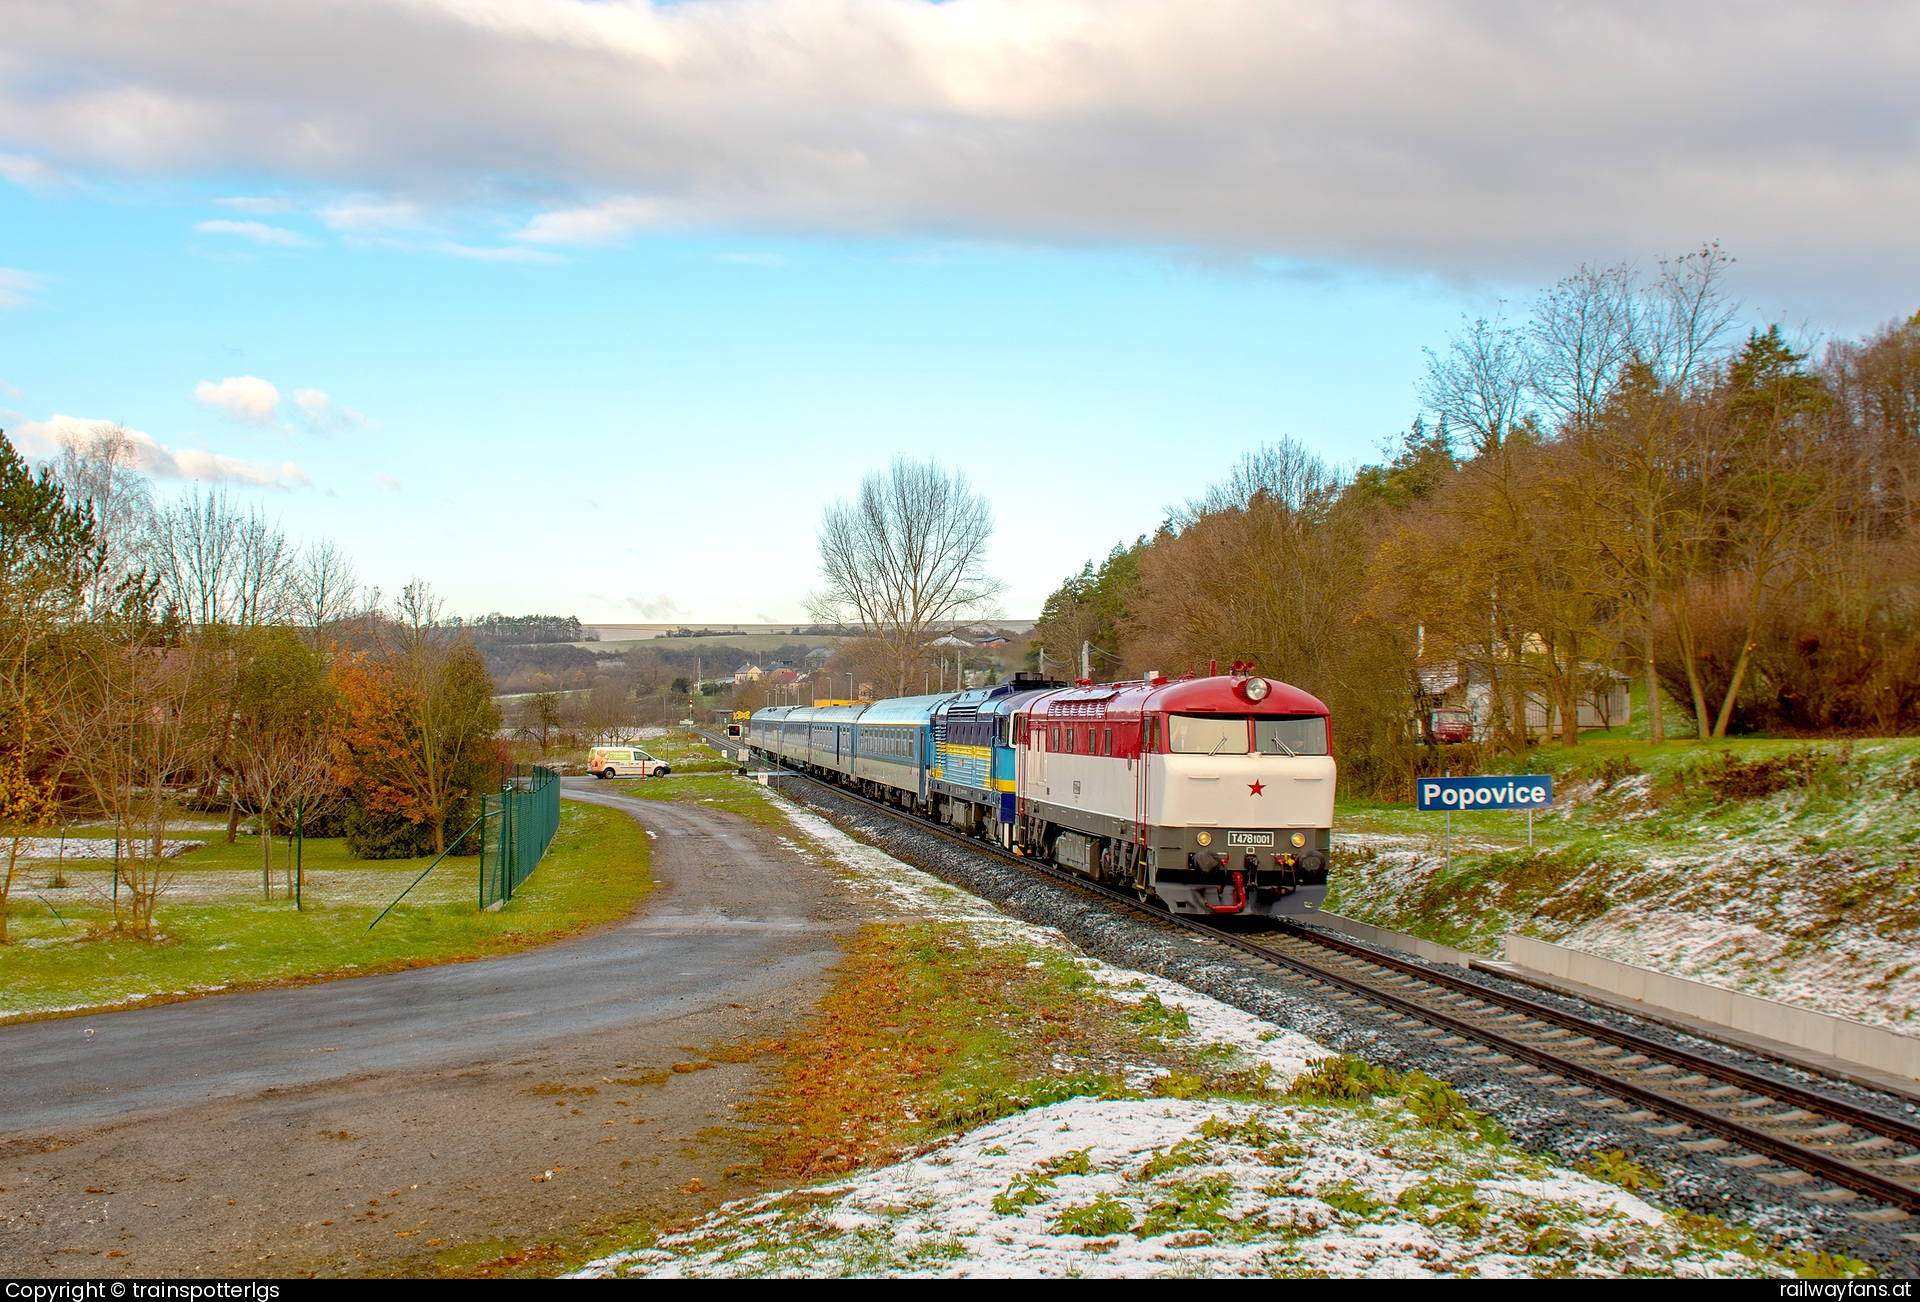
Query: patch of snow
(50, 849)
(1190, 1188)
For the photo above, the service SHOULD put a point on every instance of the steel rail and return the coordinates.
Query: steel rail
(1781, 1091)
(1806, 1158)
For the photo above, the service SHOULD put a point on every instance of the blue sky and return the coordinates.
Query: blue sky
(662, 421)
(590, 308)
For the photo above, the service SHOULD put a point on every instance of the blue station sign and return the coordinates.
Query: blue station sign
(1502, 791)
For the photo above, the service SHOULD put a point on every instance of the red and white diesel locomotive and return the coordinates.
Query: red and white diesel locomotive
(1207, 795)
(1213, 794)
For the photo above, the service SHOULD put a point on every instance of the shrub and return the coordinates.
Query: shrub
(384, 836)
(1617, 1168)
(1436, 1104)
(1342, 1079)
(1103, 1216)
(1616, 768)
(1733, 778)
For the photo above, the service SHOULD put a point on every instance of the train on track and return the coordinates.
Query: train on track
(1212, 795)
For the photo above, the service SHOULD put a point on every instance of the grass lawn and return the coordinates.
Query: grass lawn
(734, 794)
(596, 871)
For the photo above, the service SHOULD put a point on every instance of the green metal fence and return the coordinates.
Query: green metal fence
(517, 828)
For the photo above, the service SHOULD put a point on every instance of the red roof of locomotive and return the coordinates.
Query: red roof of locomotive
(1217, 695)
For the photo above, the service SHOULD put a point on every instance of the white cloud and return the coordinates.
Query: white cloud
(599, 224)
(364, 216)
(259, 232)
(1468, 137)
(22, 170)
(657, 607)
(323, 413)
(39, 440)
(255, 204)
(246, 398)
(18, 287)
(494, 254)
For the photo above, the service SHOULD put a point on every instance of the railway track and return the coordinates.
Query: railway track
(1799, 1140)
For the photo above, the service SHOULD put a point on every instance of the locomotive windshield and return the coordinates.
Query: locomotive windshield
(1213, 734)
(1206, 734)
(1307, 736)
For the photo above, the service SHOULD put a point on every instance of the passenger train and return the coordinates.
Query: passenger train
(1208, 795)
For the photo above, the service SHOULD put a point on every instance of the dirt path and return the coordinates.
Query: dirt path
(395, 1122)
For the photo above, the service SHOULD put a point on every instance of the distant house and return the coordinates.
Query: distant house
(951, 641)
(748, 673)
(995, 641)
(1605, 701)
(819, 656)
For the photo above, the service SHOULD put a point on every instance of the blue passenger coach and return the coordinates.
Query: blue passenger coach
(950, 755)
(894, 745)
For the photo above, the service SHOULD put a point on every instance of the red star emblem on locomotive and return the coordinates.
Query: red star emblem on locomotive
(1256, 787)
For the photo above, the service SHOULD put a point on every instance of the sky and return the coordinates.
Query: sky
(590, 308)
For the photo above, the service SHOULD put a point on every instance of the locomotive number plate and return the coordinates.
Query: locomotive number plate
(1249, 838)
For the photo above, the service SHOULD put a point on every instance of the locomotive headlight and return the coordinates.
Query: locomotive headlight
(1299, 839)
(1205, 838)
(1256, 689)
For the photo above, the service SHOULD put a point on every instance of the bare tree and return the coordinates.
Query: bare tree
(905, 558)
(279, 750)
(322, 587)
(99, 469)
(219, 564)
(1481, 384)
(1686, 318)
(127, 716)
(1583, 334)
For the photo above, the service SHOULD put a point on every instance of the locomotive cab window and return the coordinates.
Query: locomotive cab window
(1194, 734)
(1306, 736)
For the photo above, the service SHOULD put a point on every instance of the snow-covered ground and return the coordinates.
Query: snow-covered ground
(1191, 1188)
(1809, 896)
(51, 848)
(1194, 1187)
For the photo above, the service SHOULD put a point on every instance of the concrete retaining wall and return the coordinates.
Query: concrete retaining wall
(1368, 934)
(1835, 1036)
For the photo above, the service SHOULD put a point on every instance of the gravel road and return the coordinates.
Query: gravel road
(371, 1123)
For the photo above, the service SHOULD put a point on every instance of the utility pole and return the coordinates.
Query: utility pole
(1086, 659)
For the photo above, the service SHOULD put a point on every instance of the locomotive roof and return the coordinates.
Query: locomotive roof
(1216, 695)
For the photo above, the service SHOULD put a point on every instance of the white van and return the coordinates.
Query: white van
(625, 762)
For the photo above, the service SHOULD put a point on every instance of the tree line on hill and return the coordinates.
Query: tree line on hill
(1622, 482)
(157, 658)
